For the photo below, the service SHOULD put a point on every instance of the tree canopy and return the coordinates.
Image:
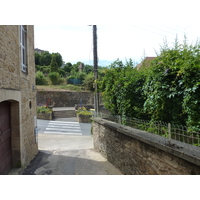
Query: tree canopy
(45, 58)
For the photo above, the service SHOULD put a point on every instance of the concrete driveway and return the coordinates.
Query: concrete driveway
(63, 154)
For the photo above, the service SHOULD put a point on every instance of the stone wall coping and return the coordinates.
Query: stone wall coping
(182, 150)
(63, 108)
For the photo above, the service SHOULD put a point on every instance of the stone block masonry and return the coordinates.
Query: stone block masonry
(136, 152)
(17, 88)
(64, 98)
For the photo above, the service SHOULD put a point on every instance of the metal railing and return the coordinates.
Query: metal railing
(168, 130)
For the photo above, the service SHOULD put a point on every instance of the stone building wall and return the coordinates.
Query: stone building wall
(136, 152)
(18, 88)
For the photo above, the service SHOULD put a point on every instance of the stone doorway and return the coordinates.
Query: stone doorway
(10, 152)
(5, 138)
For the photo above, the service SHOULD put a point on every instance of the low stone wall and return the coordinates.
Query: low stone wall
(63, 98)
(136, 152)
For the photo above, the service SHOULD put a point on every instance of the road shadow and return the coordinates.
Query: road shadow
(39, 160)
(71, 162)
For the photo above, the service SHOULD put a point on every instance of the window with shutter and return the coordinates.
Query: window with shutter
(23, 45)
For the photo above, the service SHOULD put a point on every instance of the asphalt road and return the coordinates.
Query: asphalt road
(66, 148)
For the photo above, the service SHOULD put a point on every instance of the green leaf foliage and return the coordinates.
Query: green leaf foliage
(54, 64)
(88, 83)
(168, 90)
(67, 67)
(58, 59)
(44, 109)
(172, 90)
(122, 89)
(41, 79)
(43, 59)
(55, 78)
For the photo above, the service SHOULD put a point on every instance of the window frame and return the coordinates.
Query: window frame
(23, 48)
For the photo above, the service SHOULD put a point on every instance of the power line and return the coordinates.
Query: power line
(140, 33)
(156, 33)
(127, 29)
(162, 30)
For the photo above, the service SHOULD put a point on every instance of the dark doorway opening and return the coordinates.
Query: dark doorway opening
(5, 138)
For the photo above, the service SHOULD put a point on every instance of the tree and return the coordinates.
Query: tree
(58, 59)
(45, 58)
(54, 65)
(88, 68)
(37, 59)
(75, 67)
(68, 67)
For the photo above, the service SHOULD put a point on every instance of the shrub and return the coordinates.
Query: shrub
(83, 111)
(89, 82)
(38, 68)
(46, 69)
(71, 77)
(55, 78)
(79, 75)
(61, 72)
(173, 89)
(40, 79)
(43, 109)
(121, 89)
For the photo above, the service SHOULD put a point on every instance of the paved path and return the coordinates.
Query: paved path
(61, 153)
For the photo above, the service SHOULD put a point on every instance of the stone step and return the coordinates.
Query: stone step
(64, 114)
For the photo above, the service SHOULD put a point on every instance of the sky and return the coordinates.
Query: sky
(75, 42)
(126, 29)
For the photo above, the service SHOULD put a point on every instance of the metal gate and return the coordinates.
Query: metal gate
(5, 138)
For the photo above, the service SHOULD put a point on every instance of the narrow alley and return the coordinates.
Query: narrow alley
(66, 148)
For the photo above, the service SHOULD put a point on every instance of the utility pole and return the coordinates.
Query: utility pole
(96, 94)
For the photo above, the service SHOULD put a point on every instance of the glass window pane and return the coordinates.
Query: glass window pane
(23, 56)
(23, 38)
